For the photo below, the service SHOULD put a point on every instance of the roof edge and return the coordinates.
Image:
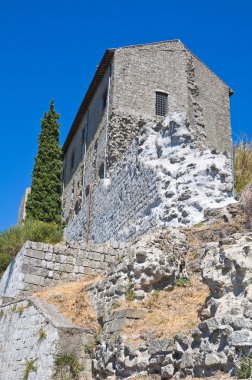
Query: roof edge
(97, 78)
(231, 92)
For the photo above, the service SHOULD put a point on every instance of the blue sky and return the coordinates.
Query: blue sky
(50, 48)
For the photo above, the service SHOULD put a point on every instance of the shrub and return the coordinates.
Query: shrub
(89, 347)
(42, 334)
(245, 368)
(29, 367)
(242, 164)
(182, 282)
(70, 360)
(246, 198)
(20, 309)
(12, 239)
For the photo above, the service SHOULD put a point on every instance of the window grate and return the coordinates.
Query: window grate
(161, 103)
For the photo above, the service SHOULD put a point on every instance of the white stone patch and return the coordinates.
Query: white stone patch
(190, 179)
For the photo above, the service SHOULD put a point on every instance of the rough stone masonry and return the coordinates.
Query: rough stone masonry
(131, 164)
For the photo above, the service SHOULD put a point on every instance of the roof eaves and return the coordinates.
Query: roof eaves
(98, 76)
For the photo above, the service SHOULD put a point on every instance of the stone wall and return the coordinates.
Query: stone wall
(213, 99)
(93, 120)
(220, 342)
(163, 179)
(150, 260)
(40, 265)
(87, 172)
(136, 73)
(140, 71)
(33, 332)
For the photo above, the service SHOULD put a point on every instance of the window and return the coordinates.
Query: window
(64, 171)
(83, 133)
(72, 160)
(104, 99)
(161, 103)
(87, 190)
(101, 171)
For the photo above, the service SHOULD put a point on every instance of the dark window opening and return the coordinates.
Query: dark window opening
(87, 190)
(101, 171)
(72, 160)
(161, 103)
(83, 135)
(64, 172)
(104, 99)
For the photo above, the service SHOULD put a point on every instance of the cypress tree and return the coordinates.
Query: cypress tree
(44, 200)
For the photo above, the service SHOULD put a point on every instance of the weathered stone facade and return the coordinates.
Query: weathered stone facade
(104, 138)
(163, 179)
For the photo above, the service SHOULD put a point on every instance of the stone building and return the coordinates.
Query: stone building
(150, 144)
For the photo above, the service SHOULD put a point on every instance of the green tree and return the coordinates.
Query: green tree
(44, 200)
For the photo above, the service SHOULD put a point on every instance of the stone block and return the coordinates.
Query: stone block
(211, 360)
(69, 268)
(129, 313)
(241, 338)
(49, 265)
(48, 256)
(57, 266)
(34, 279)
(34, 253)
(161, 346)
(167, 371)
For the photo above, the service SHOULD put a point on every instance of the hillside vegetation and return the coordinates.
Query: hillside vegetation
(12, 239)
(242, 165)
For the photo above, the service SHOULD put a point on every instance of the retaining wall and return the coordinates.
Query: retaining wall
(34, 332)
(40, 265)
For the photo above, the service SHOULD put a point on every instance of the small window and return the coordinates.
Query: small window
(64, 172)
(104, 99)
(83, 133)
(72, 160)
(101, 171)
(87, 190)
(161, 103)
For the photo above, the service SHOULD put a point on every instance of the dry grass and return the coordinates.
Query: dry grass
(217, 376)
(168, 312)
(72, 301)
(242, 165)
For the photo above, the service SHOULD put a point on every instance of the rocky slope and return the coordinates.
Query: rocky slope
(172, 304)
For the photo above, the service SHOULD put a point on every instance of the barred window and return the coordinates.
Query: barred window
(161, 103)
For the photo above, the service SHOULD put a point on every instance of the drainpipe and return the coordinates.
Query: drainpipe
(106, 130)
